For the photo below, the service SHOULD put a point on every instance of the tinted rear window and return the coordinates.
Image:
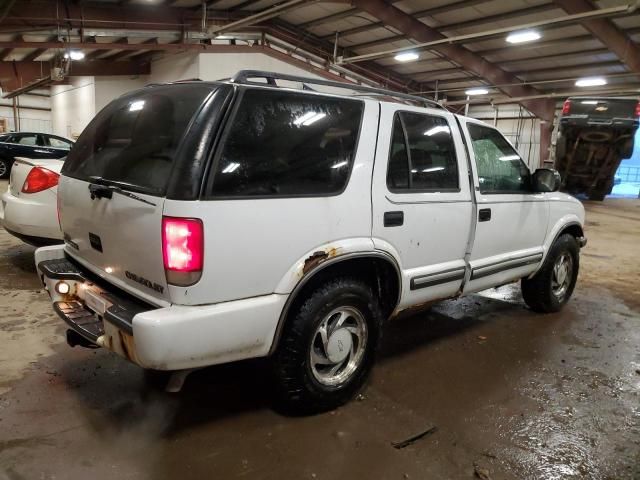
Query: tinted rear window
(288, 144)
(134, 139)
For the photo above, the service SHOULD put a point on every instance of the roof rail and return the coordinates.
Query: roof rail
(243, 76)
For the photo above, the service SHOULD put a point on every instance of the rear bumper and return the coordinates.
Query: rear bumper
(33, 219)
(585, 121)
(170, 338)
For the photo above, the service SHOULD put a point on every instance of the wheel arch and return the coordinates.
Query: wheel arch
(570, 226)
(380, 269)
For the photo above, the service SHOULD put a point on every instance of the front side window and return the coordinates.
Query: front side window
(422, 155)
(288, 144)
(500, 168)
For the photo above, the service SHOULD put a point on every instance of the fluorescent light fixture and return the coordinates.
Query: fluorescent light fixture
(74, 55)
(477, 91)
(432, 169)
(589, 102)
(406, 57)
(340, 164)
(591, 82)
(523, 36)
(435, 130)
(137, 105)
(232, 167)
(309, 118)
(507, 158)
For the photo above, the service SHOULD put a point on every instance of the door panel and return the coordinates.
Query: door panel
(432, 239)
(512, 221)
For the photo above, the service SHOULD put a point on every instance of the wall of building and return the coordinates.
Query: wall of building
(72, 106)
(34, 112)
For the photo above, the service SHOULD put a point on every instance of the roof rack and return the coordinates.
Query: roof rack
(243, 76)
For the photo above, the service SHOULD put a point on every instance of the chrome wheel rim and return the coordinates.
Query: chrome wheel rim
(3, 168)
(338, 346)
(562, 275)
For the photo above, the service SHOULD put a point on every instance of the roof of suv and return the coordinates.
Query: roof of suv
(269, 80)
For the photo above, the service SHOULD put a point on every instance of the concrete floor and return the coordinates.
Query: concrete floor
(513, 394)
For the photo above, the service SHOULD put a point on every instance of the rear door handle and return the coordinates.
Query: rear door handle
(393, 219)
(484, 214)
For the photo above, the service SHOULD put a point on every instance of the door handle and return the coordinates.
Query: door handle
(484, 214)
(393, 219)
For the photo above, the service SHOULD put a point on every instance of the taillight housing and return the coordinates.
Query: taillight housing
(566, 107)
(182, 250)
(638, 110)
(39, 179)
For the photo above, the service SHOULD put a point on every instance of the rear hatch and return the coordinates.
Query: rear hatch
(115, 181)
(603, 110)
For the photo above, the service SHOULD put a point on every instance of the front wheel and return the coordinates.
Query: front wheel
(5, 168)
(328, 346)
(551, 287)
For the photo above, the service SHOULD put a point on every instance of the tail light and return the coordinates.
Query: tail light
(182, 250)
(40, 179)
(566, 107)
(638, 109)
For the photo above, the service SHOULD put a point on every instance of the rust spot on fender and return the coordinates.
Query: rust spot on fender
(317, 258)
(127, 346)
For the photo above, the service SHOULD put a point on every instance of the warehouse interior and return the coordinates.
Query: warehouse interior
(479, 387)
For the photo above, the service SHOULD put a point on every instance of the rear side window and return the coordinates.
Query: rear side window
(422, 156)
(288, 144)
(134, 139)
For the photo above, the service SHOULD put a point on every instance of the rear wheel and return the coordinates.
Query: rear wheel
(5, 168)
(551, 287)
(328, 346)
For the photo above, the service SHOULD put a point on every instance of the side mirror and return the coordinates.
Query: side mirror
(546, 180)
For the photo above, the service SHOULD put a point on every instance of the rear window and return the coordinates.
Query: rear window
(134, 139)
(288, 144)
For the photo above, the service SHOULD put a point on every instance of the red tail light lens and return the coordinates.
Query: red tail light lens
(182, 249)
(566, 107)
(638, 109)
(40, 179)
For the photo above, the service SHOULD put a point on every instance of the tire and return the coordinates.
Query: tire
(626, 149)
(5, 168)
(561, 147)
(540, 292)
(305, 386)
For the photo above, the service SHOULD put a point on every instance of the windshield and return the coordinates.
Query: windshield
(134, 139)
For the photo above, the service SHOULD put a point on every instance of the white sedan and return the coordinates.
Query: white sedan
(29, 206)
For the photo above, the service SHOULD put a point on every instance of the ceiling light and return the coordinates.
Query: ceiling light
(589, 102)
(74, 55)
(477, 91)
(523, 36)
(591, 82)
(406, 57)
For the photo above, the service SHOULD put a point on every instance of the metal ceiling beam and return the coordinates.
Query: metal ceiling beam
(30, 57)
(456, 25)
(441, 41)
(542, 24)
(19, 74)
(417, 30)
(446, 89)
(607, 32)
(261, 16)
(340, 15)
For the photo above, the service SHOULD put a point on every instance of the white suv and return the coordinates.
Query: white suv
(207, 222)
